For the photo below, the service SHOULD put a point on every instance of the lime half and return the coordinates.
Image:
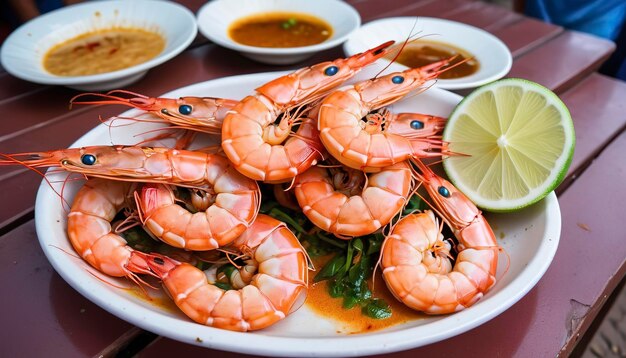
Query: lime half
(517, 140)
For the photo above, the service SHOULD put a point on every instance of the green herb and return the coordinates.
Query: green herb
(351, 265)
(140, 240)
(347, 273)
(291, 22)
(314, 240)
(377, 308)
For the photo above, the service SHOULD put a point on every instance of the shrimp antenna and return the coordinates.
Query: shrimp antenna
(412, 37)
(11, 158)
(430, 205)
(111, 98)
(64, 204)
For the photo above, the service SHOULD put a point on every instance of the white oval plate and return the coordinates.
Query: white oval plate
(530, 237)
(492, 54)
(22, 52)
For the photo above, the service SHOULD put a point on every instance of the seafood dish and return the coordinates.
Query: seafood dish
(234, 206)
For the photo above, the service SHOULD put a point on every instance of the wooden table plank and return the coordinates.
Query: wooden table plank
(41, 313)
(563, 61)
(526, 34)
(13, 87)
(484, 15)
(598, 110)
(375, 9)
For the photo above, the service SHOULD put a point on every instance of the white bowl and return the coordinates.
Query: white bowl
(22, 52)
(492, 54)
(215, 17)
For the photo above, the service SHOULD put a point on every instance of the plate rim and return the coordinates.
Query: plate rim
(348, 345)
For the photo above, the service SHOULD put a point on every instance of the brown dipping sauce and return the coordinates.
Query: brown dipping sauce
(280, 29)
(103, 51)
(420, 53)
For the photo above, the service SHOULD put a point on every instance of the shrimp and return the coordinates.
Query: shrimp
(90, 232)
(213, 220)
(254, 142)
(369, 146)
(348, 202)
(277, 288)
(201, 114)
(234, 200)
(415, 259)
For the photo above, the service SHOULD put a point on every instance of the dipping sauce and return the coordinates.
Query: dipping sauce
(103, 51)
(352, 320)
(419, 53)
(280, 29)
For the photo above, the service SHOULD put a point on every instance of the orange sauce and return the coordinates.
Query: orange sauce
(103, 51)
(421, 52)
(158, 299)
(280, 29)
(352, 320)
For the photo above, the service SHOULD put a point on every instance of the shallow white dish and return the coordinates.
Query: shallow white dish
(492, 54)
(530, 237)
(22, 52)
(215, 17)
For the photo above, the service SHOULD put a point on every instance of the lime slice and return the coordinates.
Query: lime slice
(519, 140)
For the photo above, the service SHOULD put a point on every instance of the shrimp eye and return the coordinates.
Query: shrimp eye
(164, 111)
(417, 124)
(331, 71)
(88, 159)
(185, 109)
(159, 261)
(397, 79)
(443, 191)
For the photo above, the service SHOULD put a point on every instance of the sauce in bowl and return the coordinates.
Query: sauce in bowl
(103, 51)
(280, 29)
(420, 53)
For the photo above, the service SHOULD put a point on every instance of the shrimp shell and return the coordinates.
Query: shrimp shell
(276, 290)
(90, 232)
(359, 212)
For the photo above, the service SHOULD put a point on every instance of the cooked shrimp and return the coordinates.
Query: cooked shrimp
(253, 134)
(348, 202)
(216, 217)
(201, 114)
(90, 232)
(415, 259)
(234, 199)
(367, 145)
(277, 288)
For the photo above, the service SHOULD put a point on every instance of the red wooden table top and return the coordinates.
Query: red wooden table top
(43, 314)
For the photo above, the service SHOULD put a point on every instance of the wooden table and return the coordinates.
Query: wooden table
(42, 314)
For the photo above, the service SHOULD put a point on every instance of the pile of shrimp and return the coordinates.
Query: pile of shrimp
(336, 152)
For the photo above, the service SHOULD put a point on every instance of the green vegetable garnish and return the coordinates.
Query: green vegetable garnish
(352, 263)
(291, 22)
